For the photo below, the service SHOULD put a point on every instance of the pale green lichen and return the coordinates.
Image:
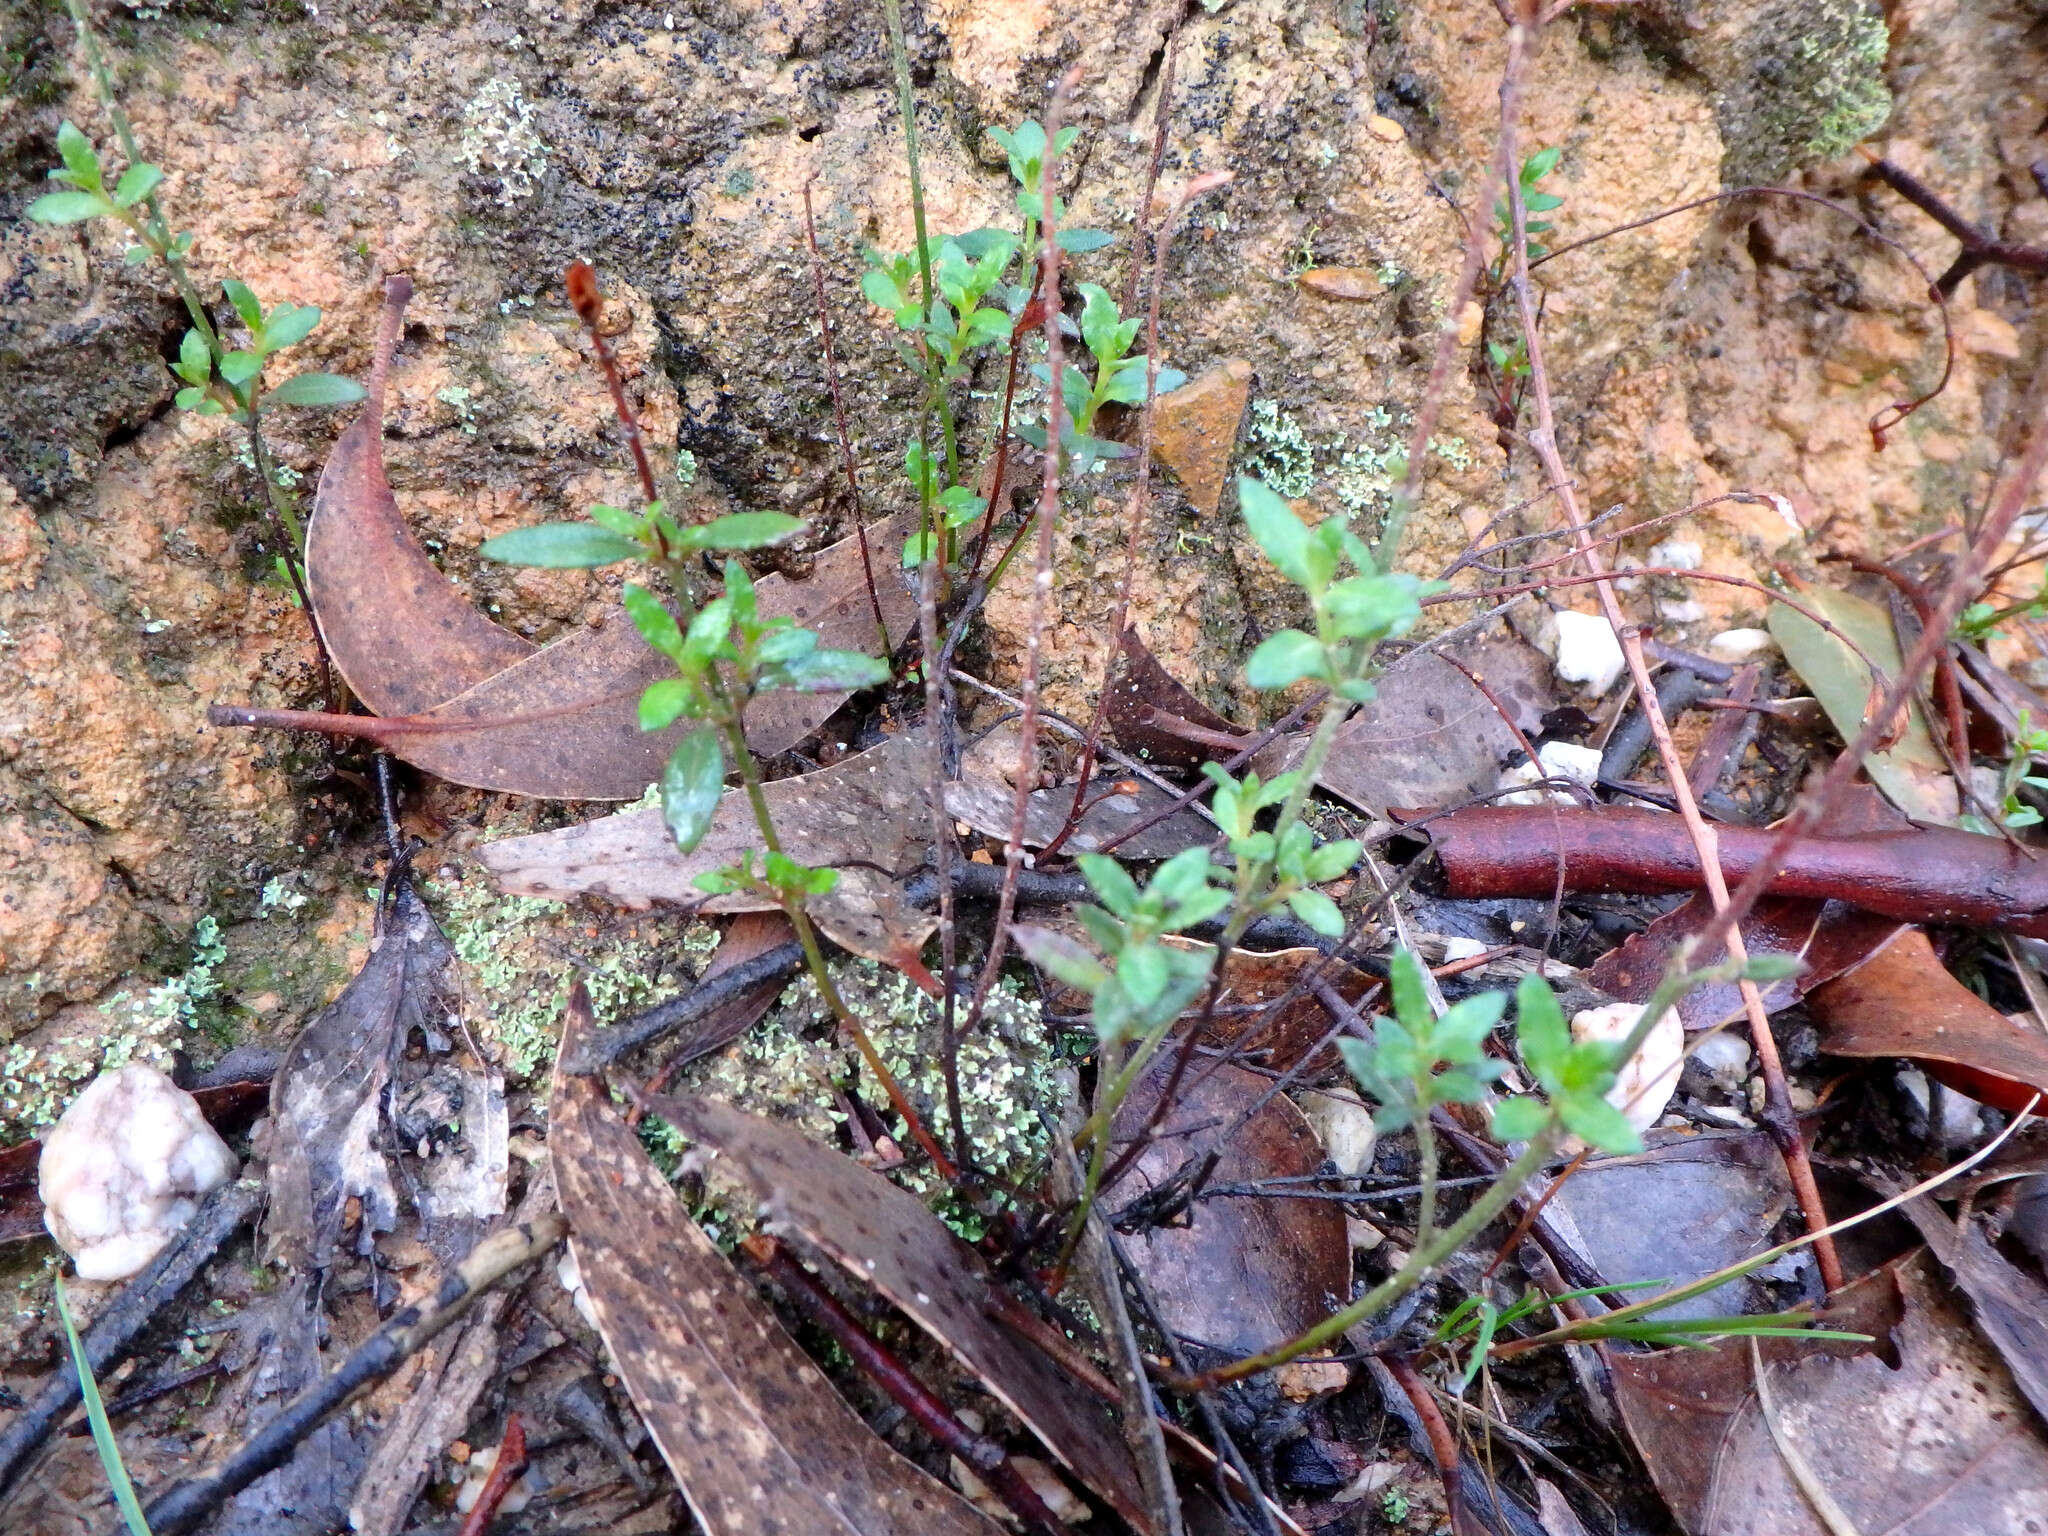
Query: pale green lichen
(523, 956)
(147, 1026)
(1357, 472)
(796, 1062)
(463, 399)
(1806, 85)
(499, 140)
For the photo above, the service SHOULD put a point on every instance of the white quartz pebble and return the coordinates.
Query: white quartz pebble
(1646, 1083)
(125, 1169)
(1587, 651)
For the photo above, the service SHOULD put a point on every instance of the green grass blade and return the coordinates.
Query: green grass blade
(102, 1431)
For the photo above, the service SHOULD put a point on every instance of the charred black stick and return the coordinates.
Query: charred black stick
(115, 1331)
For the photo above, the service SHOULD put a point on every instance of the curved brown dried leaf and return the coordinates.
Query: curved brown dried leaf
(759, 1441)
(403, 637)
(886, 1237)
(1939, 1443)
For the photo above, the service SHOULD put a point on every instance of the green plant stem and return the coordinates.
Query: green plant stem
(1425, 1151)
(1428, 1253)
(730, 723)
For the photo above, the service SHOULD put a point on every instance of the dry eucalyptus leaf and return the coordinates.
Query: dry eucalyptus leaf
(473, 703)
(1152, 716)
(1941, 1442)
(1427, 739)
(1245, 1273)
(1909, 768)
(1112, 807)
(758, 1439)
(886, 1237)
(865, 817)
(403, 636)
(327, 1123)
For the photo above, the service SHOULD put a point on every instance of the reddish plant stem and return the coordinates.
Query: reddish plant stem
(1162, 117)
(581, 281)
(860, 526)
(1135, 511)
(1978, 247)
(1041, 581)
(982, 1455)
(504, 1473)
(1778, 1117)
(1443, 1445)
(1892, 414)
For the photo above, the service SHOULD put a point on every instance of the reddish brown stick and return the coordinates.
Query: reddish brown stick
(504, 1473)
(1922, 875)
(1443, 1445)
(981, 1454)
(1946, 683)
(581, 281)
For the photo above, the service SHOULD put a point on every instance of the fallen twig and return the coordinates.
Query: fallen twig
(186, 1504)
(981, 1455)
(1979, 249)
(1920, 875)
(116, 1329)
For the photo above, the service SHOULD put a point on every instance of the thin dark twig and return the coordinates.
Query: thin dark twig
(1978, 249)
(860, 526)
(186, 1504)
(1892, 414)
(1947, 685)
(601, 1047)
(114, 1332)
(1162, 119)
(1443, 1445)
(984, 1456)
(1041, 585)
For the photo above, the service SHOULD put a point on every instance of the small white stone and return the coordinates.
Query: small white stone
(1457, 947)
(1724, 1057)
(570, 1273)
(1735, 646)
(1587, 651)
(1649, 1078)
(1346, 1129)
(476, 1472)
(1678, 554)
(125, 1169)
(1681, 610)
(1554, 760)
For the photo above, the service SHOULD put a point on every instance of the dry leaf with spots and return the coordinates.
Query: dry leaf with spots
(886, 1238)
(758, 1439)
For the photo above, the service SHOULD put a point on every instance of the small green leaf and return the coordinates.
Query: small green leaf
(1334, 859)
(1598, 1123)
(562, 547)
(81, 160)
(1769, 968)
(288, 325)
(96, 1418)
(1060, 957)
(1142, 970)
(190, 398)
(691, 785)
(135, 256)
(68, 207)
(656, 624)
(136, 183)
(1540, 1028)
(239, 367)
(830, 672)
(664, 702)
(881, 289)
(744, 530)
(1318, 911)
(1079, 242)
(1411, 997)
(1280, 535)
(245, 303)
(1518, 1119)
(1284, 658)
(316, 389)
(1111, 882)
(195, 358)
(626, 525)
